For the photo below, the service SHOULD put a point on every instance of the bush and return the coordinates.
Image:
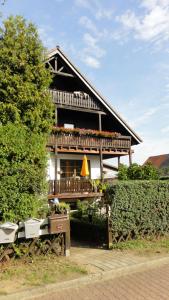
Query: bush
(135, 172)
(139, 208)
(22, 172)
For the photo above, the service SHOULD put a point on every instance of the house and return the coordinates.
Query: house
(85, 123)
(159, 161)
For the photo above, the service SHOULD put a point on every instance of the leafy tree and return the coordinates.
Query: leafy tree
(25, 117)
(123, 172)
(150, 172)
(164, 172)
(135, 172)
(24, 80)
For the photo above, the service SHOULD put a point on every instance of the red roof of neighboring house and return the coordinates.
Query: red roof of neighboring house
(159, 161)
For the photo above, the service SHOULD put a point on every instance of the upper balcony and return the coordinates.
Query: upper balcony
(75, 99)
(89, 141)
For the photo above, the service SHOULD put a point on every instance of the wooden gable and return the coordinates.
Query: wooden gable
(73, 87)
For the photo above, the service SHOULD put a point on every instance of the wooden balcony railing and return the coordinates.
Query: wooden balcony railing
(71, 140)
(76, 99)
(70, 185)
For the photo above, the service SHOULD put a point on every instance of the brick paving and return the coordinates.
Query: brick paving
(152, 284)
(98, 260)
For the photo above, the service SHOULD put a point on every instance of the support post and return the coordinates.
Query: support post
(56, 153)
(101, 154)
(118, 162)
(67, 240)
(109, 227)
(56, 168)
(56, 116)
(130, 157)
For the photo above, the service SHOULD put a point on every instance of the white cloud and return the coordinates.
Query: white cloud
(98, 10)
(92, 53)
(91, 61)
(45, 33)
(92, 46)
(103, 13)
(84, 3)
(145, 116)
(88, 24)
(92, 40)
(151, 25)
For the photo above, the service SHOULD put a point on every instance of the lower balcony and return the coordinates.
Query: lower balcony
(70, 188)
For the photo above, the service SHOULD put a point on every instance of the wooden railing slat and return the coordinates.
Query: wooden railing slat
(72, 99)
(89, 141)
(69, 185)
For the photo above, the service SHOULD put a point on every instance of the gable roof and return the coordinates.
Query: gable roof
(159, 161)
(58, 51)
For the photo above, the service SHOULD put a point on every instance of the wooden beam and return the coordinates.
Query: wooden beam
(81, 109)
(50, 66)
(56, 63)
(91, 151)
(60, 69)
(76, 196)
(63, 74)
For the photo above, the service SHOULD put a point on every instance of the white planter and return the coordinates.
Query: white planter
(8, 232)
(32, 228)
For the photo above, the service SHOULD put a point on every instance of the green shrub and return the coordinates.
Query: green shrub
(137, 172)
(139, 208)
(22, 172)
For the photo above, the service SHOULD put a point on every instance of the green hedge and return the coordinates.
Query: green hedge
(139, 208)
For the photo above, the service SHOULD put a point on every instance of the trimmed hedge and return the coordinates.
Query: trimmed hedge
(139, 209)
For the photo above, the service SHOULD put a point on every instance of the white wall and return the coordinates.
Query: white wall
(94, 164)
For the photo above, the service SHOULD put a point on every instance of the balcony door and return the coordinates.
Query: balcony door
(71, 168)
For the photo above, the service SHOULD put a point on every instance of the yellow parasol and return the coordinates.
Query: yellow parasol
(85, 169)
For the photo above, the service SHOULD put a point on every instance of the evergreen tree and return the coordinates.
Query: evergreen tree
(24, 80)
(25, 119)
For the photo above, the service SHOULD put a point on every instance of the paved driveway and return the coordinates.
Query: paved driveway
(151, 284)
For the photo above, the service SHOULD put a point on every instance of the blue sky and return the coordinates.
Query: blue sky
(123, 49)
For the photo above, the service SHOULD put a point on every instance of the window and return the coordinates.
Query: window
(71, 168)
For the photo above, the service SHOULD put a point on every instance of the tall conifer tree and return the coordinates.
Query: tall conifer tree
(25, 119)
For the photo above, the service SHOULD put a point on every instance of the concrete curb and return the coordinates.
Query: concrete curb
(104, 275)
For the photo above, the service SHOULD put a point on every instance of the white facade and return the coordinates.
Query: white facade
(94, 164)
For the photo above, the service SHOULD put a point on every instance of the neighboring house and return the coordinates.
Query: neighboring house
(109, 170)
(159, 161)
(84, 124)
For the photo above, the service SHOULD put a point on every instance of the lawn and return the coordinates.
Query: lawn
(149, 246)
(19, 275)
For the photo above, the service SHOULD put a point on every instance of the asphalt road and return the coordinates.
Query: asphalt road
(152, 284)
